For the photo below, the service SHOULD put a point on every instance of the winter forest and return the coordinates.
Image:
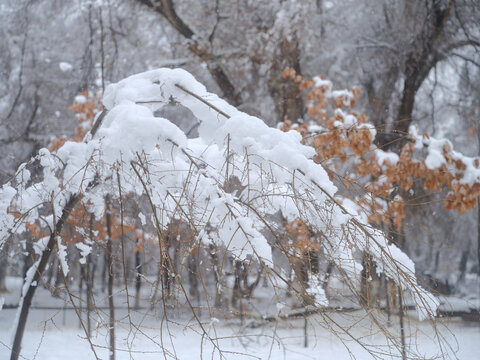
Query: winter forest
(239, 179)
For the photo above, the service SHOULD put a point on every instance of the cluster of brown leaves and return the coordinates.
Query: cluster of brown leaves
(301, 239)
(338, 142)
(288, 125)
(78, 226)
(86, 112)
(461, 197)
(36, 230)
(181, 235)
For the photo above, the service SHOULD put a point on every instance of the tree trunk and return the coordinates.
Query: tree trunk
(138, 278)
(89, 283)
(111, 305)
(369, 283)
(28, 296)
(158, 282)
(212, 251)
(236, 291)
(82, 279)
(424, 55)
(167, 9)
(105, 271)
(193, 273)
(90, 273)
(300, 269)
(388, 305)
(402, 325)
(305, 332)
(478, 235)
(285, 92)
(29, 254)
(4, 267)
(51, 273)
(166, 267)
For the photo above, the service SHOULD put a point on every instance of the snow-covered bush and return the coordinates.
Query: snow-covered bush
(132, 151)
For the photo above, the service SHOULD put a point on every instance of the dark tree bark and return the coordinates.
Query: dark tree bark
(402, 325)
(241, 288)
(212, 251)
(285, 92)
(90, 274)
(193, 273)
(82, 279)
(89, 284)
(236, 291)
(368, 296)
(478, 215)
(138, 278)
(104, 273)
(478, 236)
(167, 9)
(4, 266)
(166, 266)
(304, 267)
(111, 305)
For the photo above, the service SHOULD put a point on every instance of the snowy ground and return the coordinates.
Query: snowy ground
(56, 334)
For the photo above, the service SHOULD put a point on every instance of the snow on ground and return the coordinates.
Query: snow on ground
(56, 335)
(54, 332)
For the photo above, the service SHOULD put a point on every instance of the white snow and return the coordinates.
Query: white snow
(80, 99)
(281, 340)
(65, 66)
(316, 290)
(7, 193)
(84, 251)
(62, 256)
(142, 218)
(384, 156)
